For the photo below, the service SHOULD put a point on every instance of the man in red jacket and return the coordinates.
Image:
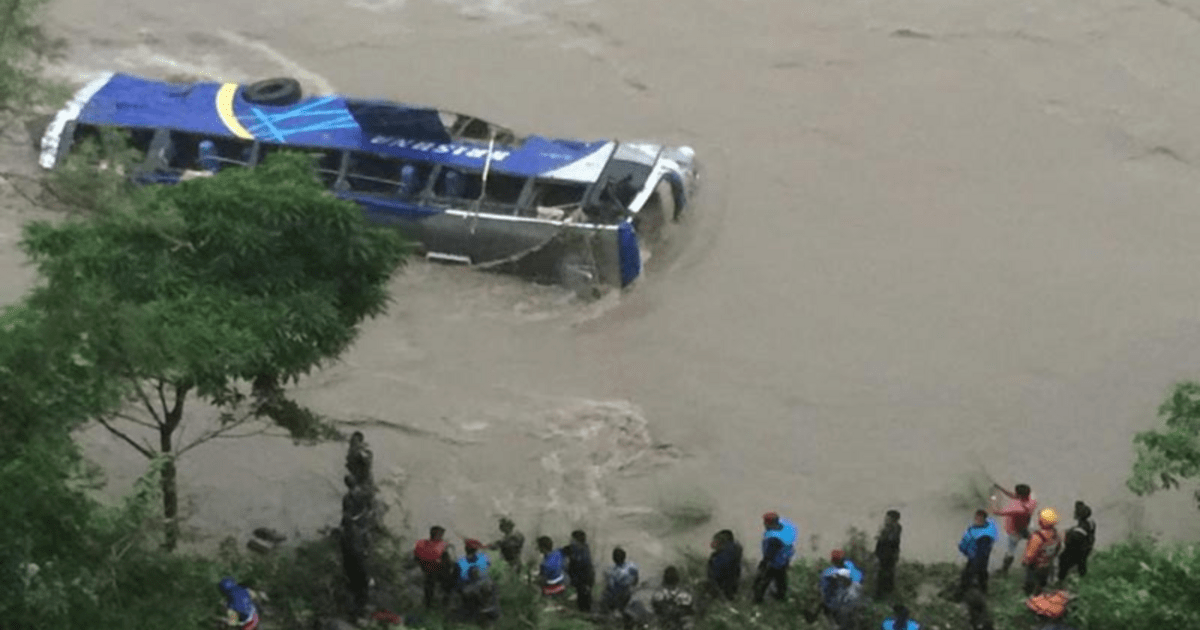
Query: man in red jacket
(1017, 512)
(437, 563)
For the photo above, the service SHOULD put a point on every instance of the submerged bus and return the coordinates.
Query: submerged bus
(469, 191)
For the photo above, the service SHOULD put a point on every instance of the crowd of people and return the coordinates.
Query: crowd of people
(463, 586)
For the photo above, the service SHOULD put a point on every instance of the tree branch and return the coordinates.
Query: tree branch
(146, 401)
(162, 398)
(148, 453)
(175, 416)
(137, 421)
(221, 432)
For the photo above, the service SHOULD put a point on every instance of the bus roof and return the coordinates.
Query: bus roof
(330, 122)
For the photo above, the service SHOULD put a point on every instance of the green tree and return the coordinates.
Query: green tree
(1167, 456)
(23, 47)
(1138, 585)
(221, 288)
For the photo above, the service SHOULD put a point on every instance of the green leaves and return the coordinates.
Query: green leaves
(23, 46)
(218, 280)
(1138, 585)
(1168, 456)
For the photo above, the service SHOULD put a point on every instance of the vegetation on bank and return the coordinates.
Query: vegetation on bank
(223, 289)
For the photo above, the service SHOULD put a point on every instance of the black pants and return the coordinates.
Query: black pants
(886, 582)
(1036, 579)
(767, 576)
(355, 566)
(974, 574)
(583, 597)
(1068, 560)
(434, 579)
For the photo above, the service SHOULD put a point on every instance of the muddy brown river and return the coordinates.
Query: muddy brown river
(938, 241)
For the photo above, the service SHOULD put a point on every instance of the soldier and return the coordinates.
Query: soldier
(359, 459)
(511, 544)
(672, 604)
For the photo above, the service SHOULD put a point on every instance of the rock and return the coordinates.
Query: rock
(270, 535)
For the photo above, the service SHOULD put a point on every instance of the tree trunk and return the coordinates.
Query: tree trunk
(170, 495)
(170, 486)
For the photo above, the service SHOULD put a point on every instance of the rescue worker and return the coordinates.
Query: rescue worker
(480, 603)
(725, 565)
(976, 546)
(355, 548)
(1018, 512)
(551, 576)
(473, 558)
(844, 599)
(619, 582)
(672, 605)
(240, 610)
(437, 564)
(778, 547)
(1078, 542)
(900, 620)
(1044, 546)
(580, 570)
(511, 544)
(837, 560)
(887, 552)
(359, 459)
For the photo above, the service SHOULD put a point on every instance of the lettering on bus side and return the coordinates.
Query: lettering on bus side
(475, 153)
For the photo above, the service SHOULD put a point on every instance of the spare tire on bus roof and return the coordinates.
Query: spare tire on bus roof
(276, 91)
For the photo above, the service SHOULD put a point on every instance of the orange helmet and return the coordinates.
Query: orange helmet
(1048, 518)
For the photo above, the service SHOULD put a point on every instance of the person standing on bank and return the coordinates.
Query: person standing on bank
(551, 576)
(1044, 546)
(1078, 544)
(887, 552)
(580, 570)
(778, 547)
(1018, 513)
(976, 545)
(511, 544)
(725, 565)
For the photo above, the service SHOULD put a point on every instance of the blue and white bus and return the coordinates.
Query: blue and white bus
(468, 190)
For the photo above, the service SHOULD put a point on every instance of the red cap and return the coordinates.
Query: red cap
(770, 517)
(837, 554)
(471, 544)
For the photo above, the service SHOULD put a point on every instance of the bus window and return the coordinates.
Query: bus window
(367, 173)
(504, 189)
(328, 165)
(457, 184)
(191, 151)
(553, 194)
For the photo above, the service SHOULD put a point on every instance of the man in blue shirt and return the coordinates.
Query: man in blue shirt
(550, 573)
(239, 604)
(976, 546)
(778, 547)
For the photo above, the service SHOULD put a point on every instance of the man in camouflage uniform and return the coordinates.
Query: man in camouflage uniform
(672, 604)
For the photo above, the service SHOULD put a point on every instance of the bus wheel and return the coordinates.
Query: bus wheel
(277, 91)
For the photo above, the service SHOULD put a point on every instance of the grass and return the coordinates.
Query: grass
(305, 584)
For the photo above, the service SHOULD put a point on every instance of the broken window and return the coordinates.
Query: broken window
(504, 189)
(459, 184)
(189, 151)
(552, 194)
(328, 165)
(369, 173)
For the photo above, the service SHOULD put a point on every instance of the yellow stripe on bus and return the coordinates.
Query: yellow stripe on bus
(225, 111)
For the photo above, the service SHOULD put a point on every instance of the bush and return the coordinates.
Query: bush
(1139, 585)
